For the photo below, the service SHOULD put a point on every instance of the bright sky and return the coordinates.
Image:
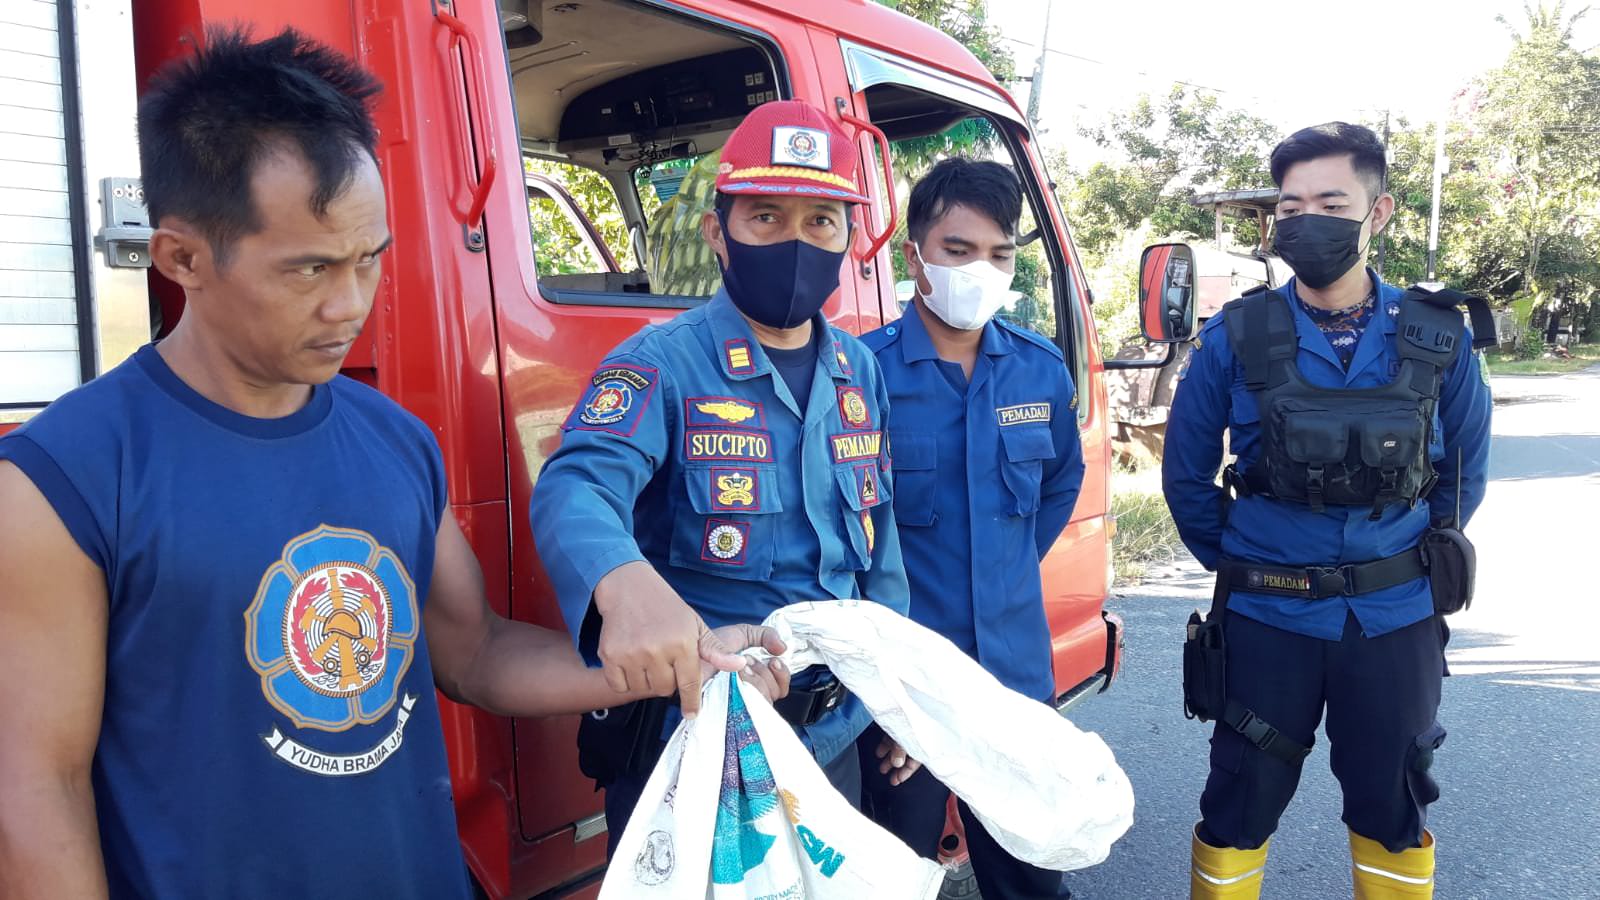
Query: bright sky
(1296, 63)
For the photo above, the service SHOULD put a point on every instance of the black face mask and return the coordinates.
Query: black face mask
(1320, 249)
(779, 285)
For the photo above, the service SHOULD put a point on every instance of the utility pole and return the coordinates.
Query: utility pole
(1439, 164)
(1036, 88)
(1388, 159)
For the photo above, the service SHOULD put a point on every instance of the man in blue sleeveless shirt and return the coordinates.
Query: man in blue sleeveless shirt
(231, 582)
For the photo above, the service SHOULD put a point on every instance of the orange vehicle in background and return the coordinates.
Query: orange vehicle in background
(596, 117)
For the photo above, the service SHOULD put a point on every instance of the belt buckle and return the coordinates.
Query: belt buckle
(829, 698)
(1330, 581)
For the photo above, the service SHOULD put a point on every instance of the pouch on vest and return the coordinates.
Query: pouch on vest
(1452, 565)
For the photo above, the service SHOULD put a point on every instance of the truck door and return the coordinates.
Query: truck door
(69, 163)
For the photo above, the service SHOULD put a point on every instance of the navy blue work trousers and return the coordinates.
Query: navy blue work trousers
(1382, 700)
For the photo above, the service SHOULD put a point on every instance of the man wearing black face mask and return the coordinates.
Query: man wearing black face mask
(1359, 419)
(733, 458)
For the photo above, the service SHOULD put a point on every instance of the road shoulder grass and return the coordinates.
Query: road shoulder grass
(1146, 536)
(1583, 356)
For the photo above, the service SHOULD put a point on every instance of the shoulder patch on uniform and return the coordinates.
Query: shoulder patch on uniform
(737, 353)
(719, 411)
(617, 398)
(1031, 336)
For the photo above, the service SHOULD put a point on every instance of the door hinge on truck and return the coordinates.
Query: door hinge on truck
(125, 237)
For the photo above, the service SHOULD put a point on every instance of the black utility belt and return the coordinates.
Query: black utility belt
(1320, 582)
(807, 707)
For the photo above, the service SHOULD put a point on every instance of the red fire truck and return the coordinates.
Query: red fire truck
(480, 327)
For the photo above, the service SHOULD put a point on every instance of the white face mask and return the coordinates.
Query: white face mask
(966, 297)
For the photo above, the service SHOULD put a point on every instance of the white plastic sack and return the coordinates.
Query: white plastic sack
(1049, 793)
(737, 809)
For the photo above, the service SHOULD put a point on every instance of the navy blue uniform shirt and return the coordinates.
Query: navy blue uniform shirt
(986, 474)
(688, 451)
(1212, 398)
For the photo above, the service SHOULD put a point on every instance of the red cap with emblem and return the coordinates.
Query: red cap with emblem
(789, 148)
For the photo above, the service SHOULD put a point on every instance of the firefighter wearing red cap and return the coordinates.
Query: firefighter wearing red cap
(729, 462)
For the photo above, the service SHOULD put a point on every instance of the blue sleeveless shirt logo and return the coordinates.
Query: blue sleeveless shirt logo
(331, 633)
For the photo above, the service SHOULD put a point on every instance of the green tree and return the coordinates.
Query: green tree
(1520, 200)
(1163, 153)
(1542, 109)
(1166, 153)
(968, 22)
(559, 248)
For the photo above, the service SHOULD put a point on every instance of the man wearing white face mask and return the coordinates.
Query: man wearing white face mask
(987, 466)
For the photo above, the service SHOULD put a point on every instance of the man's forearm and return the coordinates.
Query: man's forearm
(526, 671)
(49, 840)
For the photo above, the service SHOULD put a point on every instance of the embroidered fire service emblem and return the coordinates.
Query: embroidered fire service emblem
(608, 405)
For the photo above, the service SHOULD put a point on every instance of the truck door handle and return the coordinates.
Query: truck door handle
(482, 124)
(877, 241)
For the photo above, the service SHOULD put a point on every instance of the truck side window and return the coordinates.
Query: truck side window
(622, 109)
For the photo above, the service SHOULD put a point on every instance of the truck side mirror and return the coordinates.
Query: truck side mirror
(1167, 300)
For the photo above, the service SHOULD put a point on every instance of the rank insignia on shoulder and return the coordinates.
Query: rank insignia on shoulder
(1023, 413)
(726, 541)
(844, 361)
(615, 401)
(735, 490)
(738, 354)
(719, 411)
(853, 408)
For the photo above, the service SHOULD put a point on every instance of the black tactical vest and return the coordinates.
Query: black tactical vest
(1325, 446)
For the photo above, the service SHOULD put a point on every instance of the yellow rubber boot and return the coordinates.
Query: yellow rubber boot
(1381, 875)
(1222, 872)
